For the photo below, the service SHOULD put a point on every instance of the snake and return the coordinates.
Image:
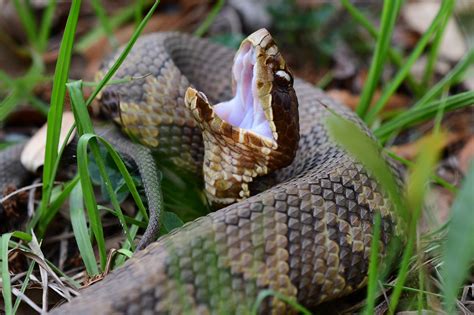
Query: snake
(295, 211)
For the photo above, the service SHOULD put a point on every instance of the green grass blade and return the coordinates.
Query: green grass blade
(6, 80)
(421, 282)
(429, 152)
(27, 21)
(126, 253)
(436, 179)
(372, 283)
(416, 115)
(22, 236)
(126, 175)
(86, 130)
(436, 44)
(85, 126)
(45, 217)
(81, 234)
(458, 252)
(55, 205)
(6, 284)
(449, 79)
(57, 103)
(104, 22)
(170, 221)
(79, 108)
(202, 29)
(91, 38)
(8, 104)
(91, 139)
(127, 245)
(24, 285)
(402, 73)
(45, 27)
(262, 295)
(138, 8)
(416, 187)
(360, 18)
(393, 54)
(128, 219)
(389, 16)
(38, 104)
(89, 197)
(440, 114)
(410, 289)
(123, 54)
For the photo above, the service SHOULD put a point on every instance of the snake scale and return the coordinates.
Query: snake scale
(306, 229)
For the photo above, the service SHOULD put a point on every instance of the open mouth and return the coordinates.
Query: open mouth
(245, 110)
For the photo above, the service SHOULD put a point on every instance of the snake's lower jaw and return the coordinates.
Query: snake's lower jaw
(233, 157)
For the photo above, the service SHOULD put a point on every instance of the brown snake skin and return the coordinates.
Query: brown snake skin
(307, 237)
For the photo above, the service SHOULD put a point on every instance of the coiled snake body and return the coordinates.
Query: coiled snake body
(307, 237)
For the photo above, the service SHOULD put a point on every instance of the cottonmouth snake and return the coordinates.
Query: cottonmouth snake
(306, 233)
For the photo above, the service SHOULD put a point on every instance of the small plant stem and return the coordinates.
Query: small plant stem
(202, 29)
(389, 15)
(436, 44)
(395, 83)
(393, 54)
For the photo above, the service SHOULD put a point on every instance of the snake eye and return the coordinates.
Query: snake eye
(283, 78)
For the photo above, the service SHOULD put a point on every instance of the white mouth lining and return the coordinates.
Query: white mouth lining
(244, 110)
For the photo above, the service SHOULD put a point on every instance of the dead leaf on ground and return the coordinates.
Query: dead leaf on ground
(32, 156)
(419, 16)
(159, 22)
(466, 155)
(352, 100)
(409, 150)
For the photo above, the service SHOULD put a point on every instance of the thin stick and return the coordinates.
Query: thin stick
(24, 189)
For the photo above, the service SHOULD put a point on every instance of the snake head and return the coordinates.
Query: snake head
(255, 132)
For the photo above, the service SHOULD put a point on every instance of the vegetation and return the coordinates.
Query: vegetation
(433, 266)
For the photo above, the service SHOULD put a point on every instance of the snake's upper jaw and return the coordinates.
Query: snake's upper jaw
(255, 132)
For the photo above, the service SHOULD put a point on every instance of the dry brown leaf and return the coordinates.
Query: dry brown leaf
(409, 150)
(32, 156)
(466, 155)
(159, 22)
(345, 97)
(352, 100)
(419, 16)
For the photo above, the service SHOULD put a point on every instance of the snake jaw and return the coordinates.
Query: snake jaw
(240, 146)
(232, 156)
